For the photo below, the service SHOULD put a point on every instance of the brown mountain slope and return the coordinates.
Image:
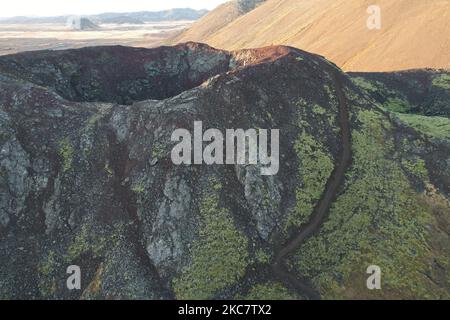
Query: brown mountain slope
(211, 23)
(414, 33)
(215, 20)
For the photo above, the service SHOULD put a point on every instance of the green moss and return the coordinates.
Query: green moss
(139, 187)
(395, 102)
(364, 84)
(262, 257)
(442, 81)
(266, 201)
(269, 291)
(92, 121)
(66, 152)
(46, 269)
(315, 167)
(219, 255)
(330, 93)
(436, 127)
(417, 168)
(301, 104)
(319, 110)
(375, 123)
(217, 186)
(86, 241)
(397, 105)
(158, 151)
(377, 220)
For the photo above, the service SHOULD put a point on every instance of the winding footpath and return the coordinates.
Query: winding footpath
(320, 212)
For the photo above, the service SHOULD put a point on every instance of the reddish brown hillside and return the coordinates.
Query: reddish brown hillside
(414, 33)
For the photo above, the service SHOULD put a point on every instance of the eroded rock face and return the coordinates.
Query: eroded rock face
(87, 178)
(118, 74)
(14, 163)
(248, 5)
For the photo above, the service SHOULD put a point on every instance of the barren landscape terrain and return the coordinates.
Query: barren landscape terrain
(413, 33)
(116, 181)
(27, 37)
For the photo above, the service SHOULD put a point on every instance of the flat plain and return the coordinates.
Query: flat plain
(28, 37)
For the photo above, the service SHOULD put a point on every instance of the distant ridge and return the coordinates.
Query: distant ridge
(111, 17)
(82, 24)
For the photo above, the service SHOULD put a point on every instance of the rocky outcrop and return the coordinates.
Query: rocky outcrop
(87, 178)
(113, 75)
